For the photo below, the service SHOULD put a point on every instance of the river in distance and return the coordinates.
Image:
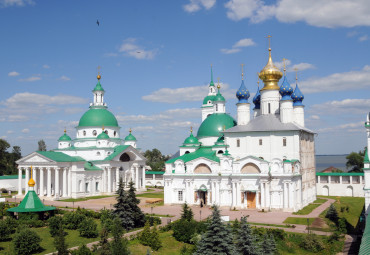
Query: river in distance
(325, 161)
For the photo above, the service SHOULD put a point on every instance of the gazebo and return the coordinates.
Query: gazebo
(31, 202)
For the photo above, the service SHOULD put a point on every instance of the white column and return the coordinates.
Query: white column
(117, 179)
(69, 182)
(238, 196)
(56, 192)
(64, 182)
(109, 172)
(103, 187)
(143, 176)
(218, 199)
(340, 179)
(262, 195)
(19, 181)
(268, 202)
(233, 191)
(42, 182)
(48, 183)
(285, 195)
(350, 179)
(136, 177)
(318, 179)
(34, 173)
(27, 170)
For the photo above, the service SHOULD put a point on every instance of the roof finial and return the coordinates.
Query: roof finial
(224, 128)
(296, 74)
(284, 66)
(191, 129)
(242, 65)
(31, 182)
(130, 130)
(218, 83)
(99, 76)
(102, 127)
(269, 38)
(65, 130)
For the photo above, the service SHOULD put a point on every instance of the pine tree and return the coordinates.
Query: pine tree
(145, 235)
(246, 242)
(187, 213)
(332, 214)
(268, 245)
(119, 245)
(123, 209)
(60, 241)
(217, 239)
(155, 242)
(104, 247)
(133, 202)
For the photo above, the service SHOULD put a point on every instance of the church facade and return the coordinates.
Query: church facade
(263, 161)
(89, 165)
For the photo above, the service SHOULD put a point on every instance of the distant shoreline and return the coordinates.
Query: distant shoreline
(324, 155)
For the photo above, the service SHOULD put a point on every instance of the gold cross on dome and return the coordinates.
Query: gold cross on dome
(284, 65)
(98, 69)
(242, 65)
(296, 73)
(269, 38)
(191, 129)
(218, 83)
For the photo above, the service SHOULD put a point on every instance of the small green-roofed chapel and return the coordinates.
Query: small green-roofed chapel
(88, 161)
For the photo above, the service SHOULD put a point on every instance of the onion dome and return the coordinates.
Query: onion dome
(297, 96)
(214, 124)
(243, 94)
(257, 98)
(31, 182)
(130, 137)
(98, 86)
(219, 97)
(103, 135)
(270, 75)
(64, 137)
(191, 140)
(286, 90)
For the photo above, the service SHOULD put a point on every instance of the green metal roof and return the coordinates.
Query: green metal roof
(102, 135)
(207, 98)
(64, 137)
(191, 140)
(202, 152)
(98, 116)
(339, 174)
(130, 137)
(219, 97)
(366, 158)
(9, 177)
(214, 124)
(154, 172)
(31, 203)
(98, 87)
(59, 156)
(365, 241)
(117, 150)
(89, 166)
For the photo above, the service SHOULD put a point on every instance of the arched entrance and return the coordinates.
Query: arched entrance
(325, 191)
(250, 168)
(202, 194)
(349, 191)
(124, 158)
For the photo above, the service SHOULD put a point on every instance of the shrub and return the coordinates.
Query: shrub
(312, 242)
(332, 214)
(82, 250)
(153, 220)
(184, 230)
(342, 225)
(11, 223)
(279, 234)
(5, 231)
(72, 220)
(334, 237)
(54, 225)
(31, 220)
(26, 242)
(88, 228)
(150, 237)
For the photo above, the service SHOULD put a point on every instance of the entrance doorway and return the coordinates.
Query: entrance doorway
(202, 198)
(251, 199)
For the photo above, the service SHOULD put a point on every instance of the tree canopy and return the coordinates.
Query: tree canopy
(155, 159)
(355, 161)
(7, 159)
(41, 145)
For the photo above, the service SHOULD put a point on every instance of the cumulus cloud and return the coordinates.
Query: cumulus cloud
(196, 5)
(188, 94)
(292, 67)
(346, 106)
(17, 3)
(338, 82)
(246, 42)
(130, 48)
(30, 79)
(64, 78)
(13, 74)
(25, 131)
(347, 127)
(329, 13)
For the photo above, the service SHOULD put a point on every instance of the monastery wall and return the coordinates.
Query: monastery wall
(308, 167)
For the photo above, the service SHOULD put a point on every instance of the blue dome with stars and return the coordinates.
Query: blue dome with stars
(297, 96)
(257, 100)
(243, 94)
(286, 90)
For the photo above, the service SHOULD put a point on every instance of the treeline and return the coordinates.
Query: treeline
(8, 157)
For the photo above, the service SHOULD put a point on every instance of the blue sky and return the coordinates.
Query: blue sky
(155, 59)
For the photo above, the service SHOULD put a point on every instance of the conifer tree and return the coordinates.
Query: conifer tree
(104, 248)
(119, 245)
(60, 241)
(187, 213)
(217, 239)
(155, 243)
(332, 214)
(268, 245)
(137, 213)
(246, 242)
(145, 235)
(123, 209)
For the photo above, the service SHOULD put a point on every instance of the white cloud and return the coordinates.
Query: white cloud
(130, 48)
(196, 5)
(291, 68)
(13, 74)
(188, 94)
(348, 127)
(346, 106)
(329, 13)
(46, 66)
(363, 38)
(338, 82)
(246, 42)
(25, 131)
(64, 78)
(30, 79)
(17, 3)
(10, 132)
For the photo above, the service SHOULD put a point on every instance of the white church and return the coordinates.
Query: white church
(89, 165)
(264, 161)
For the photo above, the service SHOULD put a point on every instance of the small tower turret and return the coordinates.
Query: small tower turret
(98, 94)
(243, 106)
(207, 106)
(286, 102)
(190, 144)
(64, 141)
(298, 107)
(102, 139)
(219, 101)
(130, 139)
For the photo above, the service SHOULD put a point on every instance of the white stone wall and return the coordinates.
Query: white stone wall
(10, 184)
(272, 98)
(349, 186)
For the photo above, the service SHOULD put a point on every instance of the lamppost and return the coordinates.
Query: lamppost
(200, 215)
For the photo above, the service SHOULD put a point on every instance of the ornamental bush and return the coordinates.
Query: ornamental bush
(54, 225)
(88, 228)
(82, 250)
(183, 230)
(72, 220)
(312, 242)
(26, 242)
(5, 231)
(153, 220)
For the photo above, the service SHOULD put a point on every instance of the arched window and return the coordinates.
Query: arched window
(187, 152)
(106, 131)
(124, 157)
(95, 133)
(237, 142)
(84, 133)
(250, 168)
(114, 133)
(269, 108)
(220, 152)
(260, 142)
(284, 141)
(216, 107)
(98, 153)
(202, 169)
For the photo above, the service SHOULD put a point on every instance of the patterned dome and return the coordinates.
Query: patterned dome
(243, 94)
(286, 90)
(297, 96)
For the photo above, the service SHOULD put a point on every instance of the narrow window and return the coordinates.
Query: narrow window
(95, 133)
(97, 186)
(180, 195)
(260, 141)
(106, 131)
(84, 133)
(269, 108)
(284, 142)
(216, 107)
(115, 133)
(238, 143)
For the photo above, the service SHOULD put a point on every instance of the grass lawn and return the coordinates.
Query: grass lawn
(319, 201)
(152, 195)
(82, 198)
(355, 205)
(299, 221)
(307, 209)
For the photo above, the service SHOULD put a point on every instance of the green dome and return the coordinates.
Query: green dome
(207, 98)
(130, 137)
(191, 140)
(219, 97)
(103, 135)
(98, 87)
(98, 117)
(214, 124)
(64, 137)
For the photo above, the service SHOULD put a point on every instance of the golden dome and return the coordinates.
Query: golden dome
(270, 75)
(31, 182)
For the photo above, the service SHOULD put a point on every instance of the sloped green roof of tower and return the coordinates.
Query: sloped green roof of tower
(117, 150)
(366, 158)
(208, 98)
(31, 203)
(64, 137)
(130, 137)
(202, 152)
(89, 166)
(98, 87)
